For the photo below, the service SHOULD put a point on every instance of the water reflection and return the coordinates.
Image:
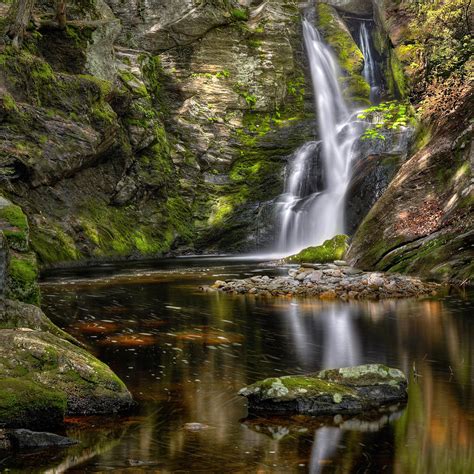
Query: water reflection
(199, 349)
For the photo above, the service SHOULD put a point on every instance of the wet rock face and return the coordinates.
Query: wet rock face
(370, 177)
(362, 7)
(330, 281)
(344, 390)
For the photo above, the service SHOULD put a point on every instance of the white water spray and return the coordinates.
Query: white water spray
(309, 219)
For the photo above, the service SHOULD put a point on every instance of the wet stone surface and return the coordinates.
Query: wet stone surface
(345, 390)
(330, 281)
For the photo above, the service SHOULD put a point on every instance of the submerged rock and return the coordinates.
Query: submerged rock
(344, 390)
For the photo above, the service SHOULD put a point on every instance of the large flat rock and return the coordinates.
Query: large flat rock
(345, 390)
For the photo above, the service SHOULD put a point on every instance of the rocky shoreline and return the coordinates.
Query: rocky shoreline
(330, 281)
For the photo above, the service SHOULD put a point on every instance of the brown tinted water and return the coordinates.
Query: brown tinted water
(185, 354)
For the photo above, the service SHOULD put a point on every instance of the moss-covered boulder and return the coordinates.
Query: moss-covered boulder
(89, 386)
(20, 315)
(345, 390)
(27, 403)
(330, 250)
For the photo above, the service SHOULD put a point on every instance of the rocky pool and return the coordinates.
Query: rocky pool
(185, 354)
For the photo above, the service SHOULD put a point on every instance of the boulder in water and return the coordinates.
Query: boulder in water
(23, 439)
(345, 390)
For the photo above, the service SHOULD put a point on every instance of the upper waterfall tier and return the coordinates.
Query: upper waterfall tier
(309, 218)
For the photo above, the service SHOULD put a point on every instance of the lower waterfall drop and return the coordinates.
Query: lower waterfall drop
(312, 210)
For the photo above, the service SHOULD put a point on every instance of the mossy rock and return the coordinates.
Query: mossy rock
(345, 390)
(24, 403)
(330, 250)
(22, 281)
(21, 315)
(14, 224)
(348, 54)
(89, 386)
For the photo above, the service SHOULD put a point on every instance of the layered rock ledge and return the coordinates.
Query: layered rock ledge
(345, 390)
(330, 281)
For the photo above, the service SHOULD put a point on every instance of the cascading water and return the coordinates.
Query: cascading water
(310, 218)
(369, 71)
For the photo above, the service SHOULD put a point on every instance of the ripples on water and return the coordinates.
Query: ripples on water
(184, 354)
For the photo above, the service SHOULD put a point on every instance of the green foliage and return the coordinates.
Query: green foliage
(442, 33)
(330, 250)
(390, 115)
(250, 98)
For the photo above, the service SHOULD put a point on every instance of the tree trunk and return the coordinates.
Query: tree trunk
(19, 17)
(61, 13)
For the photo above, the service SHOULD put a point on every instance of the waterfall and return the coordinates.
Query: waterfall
(309, 215)
(369, 71)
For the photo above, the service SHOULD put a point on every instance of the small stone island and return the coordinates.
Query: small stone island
(330, 281)
(346, 390)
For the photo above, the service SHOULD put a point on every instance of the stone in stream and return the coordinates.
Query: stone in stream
(23, 439)
(332, 391)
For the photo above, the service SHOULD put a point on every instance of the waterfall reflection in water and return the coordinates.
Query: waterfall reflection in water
(340, 348)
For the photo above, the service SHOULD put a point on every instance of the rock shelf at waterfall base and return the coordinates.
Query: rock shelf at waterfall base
(329, 392)
(330, 281)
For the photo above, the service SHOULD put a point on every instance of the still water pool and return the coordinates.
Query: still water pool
(185, 353)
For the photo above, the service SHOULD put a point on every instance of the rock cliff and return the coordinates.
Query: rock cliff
(154, 128)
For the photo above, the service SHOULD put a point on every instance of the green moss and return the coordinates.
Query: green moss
(294, 386)
(14, 224)
(110, 230)
(350, 58)
(52, 244)
(22, 278)
(179, 212)
(330, 250)
(8, 102)
(239, 14)
(396, 81)
(24, 403)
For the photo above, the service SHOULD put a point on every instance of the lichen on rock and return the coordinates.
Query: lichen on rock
(344, 390)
